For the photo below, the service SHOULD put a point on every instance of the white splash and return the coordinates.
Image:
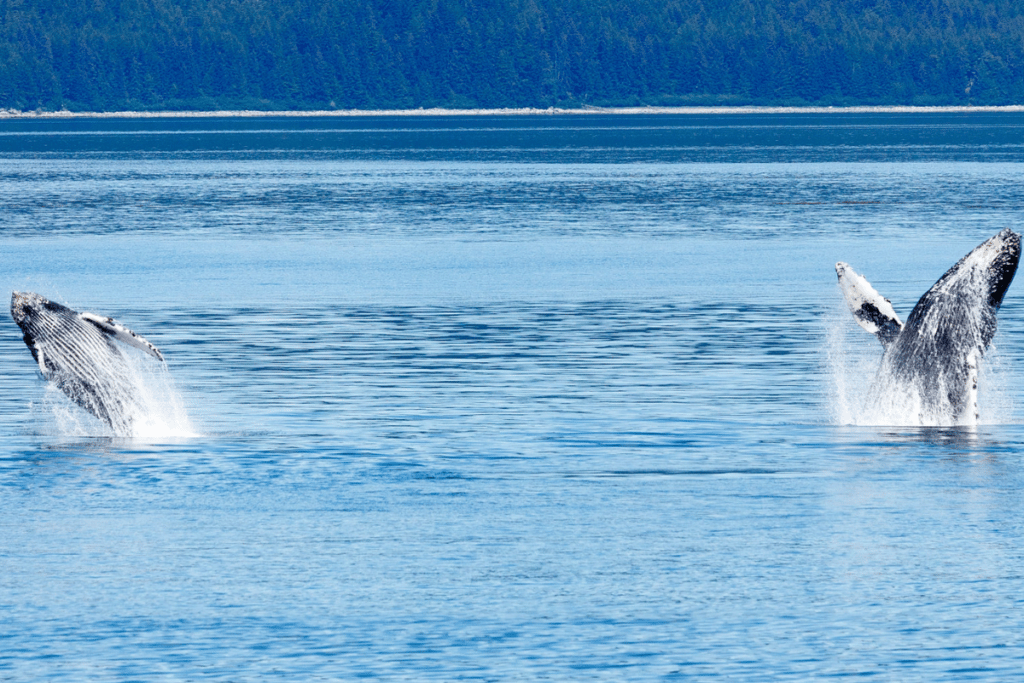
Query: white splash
(863, 392)
(154, 410)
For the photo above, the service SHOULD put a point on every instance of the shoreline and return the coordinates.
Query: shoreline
(11, 114)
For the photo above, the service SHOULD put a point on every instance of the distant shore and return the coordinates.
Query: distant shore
(524, 111)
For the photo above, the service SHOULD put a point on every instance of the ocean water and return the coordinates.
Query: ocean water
(506, 398)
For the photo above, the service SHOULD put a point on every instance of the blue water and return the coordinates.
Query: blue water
(550, 398)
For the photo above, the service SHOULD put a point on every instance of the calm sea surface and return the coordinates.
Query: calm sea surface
(547, 398)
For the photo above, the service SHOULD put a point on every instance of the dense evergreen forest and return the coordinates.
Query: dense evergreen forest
(103, 55)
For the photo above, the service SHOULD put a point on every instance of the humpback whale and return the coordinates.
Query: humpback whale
(79, 353)
(930, 363)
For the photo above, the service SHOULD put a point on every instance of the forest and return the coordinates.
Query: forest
(114, 55)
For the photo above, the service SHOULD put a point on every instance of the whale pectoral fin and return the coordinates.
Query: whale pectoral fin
(872, 311)
(121, 333)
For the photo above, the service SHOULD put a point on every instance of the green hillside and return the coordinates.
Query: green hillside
(319, 54)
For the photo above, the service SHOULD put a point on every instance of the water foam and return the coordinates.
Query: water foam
(865, 391)
(154, 409)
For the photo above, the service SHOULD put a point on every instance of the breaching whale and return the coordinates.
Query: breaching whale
(929, 369)
(79, 354)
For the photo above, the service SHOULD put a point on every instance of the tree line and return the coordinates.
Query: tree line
(106, 55)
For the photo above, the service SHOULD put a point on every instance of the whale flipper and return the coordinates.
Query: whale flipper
(873, 311)
(121, 333)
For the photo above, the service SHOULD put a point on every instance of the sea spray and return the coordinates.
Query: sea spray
(852, 360)
(159, 407)
(155, 410)
(864, 391)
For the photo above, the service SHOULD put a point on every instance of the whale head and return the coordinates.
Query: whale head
(38, 318)
(28, 307)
